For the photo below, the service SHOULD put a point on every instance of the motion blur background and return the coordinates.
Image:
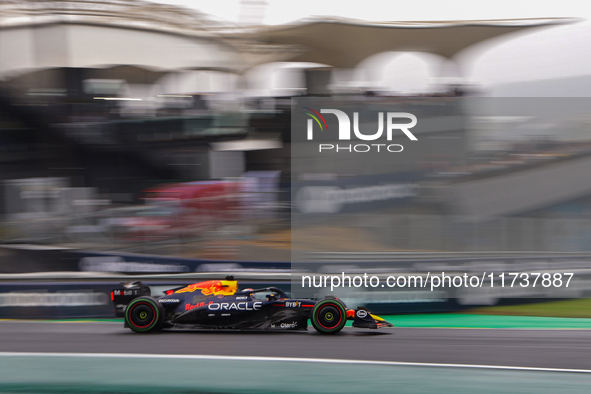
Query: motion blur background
(151, 141)
(140, 137)
(149, 128)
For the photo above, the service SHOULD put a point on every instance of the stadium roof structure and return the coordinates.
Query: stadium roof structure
(45, 34)
(154, 39)
(343, 43)
(130, 14)
(157, 38)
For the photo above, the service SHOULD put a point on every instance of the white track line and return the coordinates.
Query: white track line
(286, 359)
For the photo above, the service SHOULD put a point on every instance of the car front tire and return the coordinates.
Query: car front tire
(328, 316)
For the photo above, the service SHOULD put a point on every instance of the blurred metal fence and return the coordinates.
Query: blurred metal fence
(393, 232)
(409, 232)
(154, 229)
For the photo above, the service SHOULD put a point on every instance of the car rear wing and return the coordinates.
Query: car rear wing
(126, 293)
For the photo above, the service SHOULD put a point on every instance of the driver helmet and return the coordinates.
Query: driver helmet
(250, 292)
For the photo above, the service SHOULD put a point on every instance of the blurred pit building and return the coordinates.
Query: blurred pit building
(121, 95)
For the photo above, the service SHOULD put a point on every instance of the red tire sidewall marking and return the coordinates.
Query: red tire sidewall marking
(143, 303)
(318, 316)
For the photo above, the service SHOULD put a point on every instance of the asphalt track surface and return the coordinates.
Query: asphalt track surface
(538, 348)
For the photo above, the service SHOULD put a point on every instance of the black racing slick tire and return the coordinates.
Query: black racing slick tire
(328, 316)
(144, 314)
(336, 298)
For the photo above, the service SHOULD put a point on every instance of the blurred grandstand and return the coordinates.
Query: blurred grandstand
(102, 103)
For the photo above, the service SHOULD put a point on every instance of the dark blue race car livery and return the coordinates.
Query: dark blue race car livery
(218, 304)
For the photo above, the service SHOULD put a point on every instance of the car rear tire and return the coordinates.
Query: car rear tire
(144, 314)
(328, 316)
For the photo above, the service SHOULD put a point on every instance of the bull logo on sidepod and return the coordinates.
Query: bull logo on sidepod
(212, 287)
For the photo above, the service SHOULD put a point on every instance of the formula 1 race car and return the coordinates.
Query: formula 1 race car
(217, 304)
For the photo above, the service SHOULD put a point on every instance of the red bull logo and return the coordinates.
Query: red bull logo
(212, 287)
(188, 307)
